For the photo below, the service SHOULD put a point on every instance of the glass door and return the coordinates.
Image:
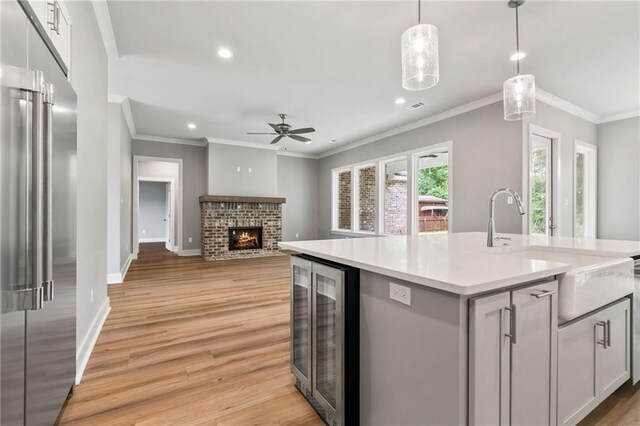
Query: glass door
(541, 186)
(301, 320)
(328, 341)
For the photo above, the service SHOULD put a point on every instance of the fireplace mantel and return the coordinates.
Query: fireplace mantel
(241, 199)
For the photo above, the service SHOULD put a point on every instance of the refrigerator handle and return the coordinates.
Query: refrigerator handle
(47, 176)
(37, 203)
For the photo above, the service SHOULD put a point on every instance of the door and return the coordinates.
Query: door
(15, 115)
(541, 186)
(533, 355)
(51, 331)
(489, 359)
(613, 358)
(301, 320)
(577, 379)
(328, 342)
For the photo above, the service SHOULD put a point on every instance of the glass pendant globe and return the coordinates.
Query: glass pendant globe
(420, 64)
(519, 97)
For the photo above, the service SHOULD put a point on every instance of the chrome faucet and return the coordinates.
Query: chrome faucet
(491, 234)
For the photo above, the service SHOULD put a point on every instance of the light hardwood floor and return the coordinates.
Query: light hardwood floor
(192, 342)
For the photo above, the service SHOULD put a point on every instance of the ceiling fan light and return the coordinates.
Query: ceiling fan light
(519, 97)
(420, 62)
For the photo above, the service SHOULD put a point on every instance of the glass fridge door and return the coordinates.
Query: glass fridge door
(301, 320)
(328, 340)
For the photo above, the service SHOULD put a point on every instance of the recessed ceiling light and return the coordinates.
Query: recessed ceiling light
(191, 126)
(307, 142)
(225, 53)
(518, 55)
(400, 101)
(333, 141)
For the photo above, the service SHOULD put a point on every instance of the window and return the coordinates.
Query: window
(540, 181)
(395, 197)
(585, 190)
(344, 200)
(400, 195)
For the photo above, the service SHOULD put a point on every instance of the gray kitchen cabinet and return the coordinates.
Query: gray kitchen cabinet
(512, 356)
(54, 18)
(593, 360)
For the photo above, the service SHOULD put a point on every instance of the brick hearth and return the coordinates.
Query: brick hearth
(218, 213)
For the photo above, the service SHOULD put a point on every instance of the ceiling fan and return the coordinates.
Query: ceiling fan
(283, 130)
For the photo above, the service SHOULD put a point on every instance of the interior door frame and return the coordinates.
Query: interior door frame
(556, 164)
(177, 194)
(172, 207)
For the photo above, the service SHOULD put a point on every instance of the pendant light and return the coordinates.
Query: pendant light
(420, 66)
(519, 92)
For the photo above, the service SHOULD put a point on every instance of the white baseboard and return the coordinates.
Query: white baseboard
(118, 277)
(152, 240)
(192, 252)
(90, 339)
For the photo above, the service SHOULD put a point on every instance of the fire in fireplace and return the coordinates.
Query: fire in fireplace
(245, 238)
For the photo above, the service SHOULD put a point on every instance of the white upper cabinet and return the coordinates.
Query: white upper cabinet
(54, 18)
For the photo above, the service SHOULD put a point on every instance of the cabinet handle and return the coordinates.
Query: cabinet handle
(55, 24)
(512, 324)
(605, 340)
(608, 333)
(543, 294)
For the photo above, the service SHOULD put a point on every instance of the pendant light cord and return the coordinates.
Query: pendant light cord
(517, 44)
(419, 12)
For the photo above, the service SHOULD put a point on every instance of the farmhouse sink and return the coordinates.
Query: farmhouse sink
(593, 281)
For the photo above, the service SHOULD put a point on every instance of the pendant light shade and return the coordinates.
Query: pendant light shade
(519, 92)
(519, 97)
(420, 65)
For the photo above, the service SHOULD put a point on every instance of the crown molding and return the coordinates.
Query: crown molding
(487, 100)
(101, 10)
(297, 154)
(126, 110)
(241, 143)
(151, 138)
(566, 106)
(621, 116)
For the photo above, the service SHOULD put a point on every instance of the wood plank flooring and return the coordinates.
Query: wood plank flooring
(190, 342)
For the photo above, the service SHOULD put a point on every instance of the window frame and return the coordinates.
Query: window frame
(590, 212)
(412, 158)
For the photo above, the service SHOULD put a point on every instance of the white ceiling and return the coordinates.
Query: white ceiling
(335, 65)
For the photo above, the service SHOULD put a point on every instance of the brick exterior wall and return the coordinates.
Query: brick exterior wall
(367, 201)
(344, 200)
(395, 206)
(218, 217)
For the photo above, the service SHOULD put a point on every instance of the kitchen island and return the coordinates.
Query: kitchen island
(453, 332)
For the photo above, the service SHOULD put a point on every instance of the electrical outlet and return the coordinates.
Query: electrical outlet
(190, 239)
(238, 169)
(297, 235)
(509, 199)
(400, 293)
(91, 295)
(249, 169)
(144, 231)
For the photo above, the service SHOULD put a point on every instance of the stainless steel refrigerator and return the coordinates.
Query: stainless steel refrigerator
(37, 224)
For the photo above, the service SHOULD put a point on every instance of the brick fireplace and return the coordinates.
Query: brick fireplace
(240, 227)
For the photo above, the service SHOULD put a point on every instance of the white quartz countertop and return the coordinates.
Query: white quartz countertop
(459, 263)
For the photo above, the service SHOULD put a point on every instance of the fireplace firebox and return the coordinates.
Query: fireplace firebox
(245, 238)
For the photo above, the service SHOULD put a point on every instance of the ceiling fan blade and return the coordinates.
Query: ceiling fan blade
(276, 128)
(299, 138)
(277, 139)
(250, 133)
(303, 130)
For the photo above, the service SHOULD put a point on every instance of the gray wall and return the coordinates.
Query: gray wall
(571, 128)
(487, 154)
(118, 190)
(298, 183)
(153, 210)
(194, 162)
(89, 79)
(619, 179)
(164, 169)
(224, 178)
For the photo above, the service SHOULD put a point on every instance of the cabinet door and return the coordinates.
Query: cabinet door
(613, 359)
(489, 359)
(301, 320)
(327, 378)
(533, 355)
(577, 379)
